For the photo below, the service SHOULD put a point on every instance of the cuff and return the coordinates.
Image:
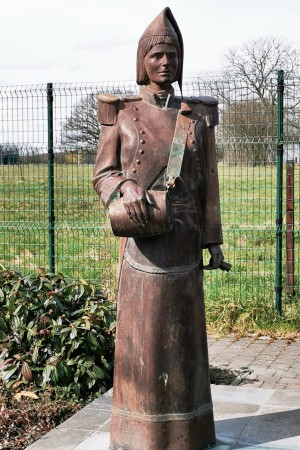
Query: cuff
(212, 236)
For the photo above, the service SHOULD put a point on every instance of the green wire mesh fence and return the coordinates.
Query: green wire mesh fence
(66, 223)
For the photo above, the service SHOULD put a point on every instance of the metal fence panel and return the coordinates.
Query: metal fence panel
(84, 245)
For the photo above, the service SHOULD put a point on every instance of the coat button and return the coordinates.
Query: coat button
(142, 132)
(135, 119)
(133, 170)
(138, 162)
(141, 151)
(142, 141)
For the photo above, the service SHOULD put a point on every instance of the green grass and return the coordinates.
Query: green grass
(241, 300)
(84, 244)
(244, 299)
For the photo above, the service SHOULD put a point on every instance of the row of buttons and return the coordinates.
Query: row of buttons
(142, 141)
(192, 141)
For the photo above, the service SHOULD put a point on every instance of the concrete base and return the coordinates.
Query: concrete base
(245, 418)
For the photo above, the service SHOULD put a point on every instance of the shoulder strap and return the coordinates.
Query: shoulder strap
(177, 148)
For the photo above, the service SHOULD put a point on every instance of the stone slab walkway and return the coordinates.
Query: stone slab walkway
(273, 363)
(262, 413)
(246, 418)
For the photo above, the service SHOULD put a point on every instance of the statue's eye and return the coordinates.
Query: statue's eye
(157, 55)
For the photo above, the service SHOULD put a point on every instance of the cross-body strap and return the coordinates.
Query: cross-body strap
(177, 148)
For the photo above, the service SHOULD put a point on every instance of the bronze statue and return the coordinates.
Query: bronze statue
(162, 398)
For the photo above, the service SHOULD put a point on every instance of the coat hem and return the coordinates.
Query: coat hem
(203, 409)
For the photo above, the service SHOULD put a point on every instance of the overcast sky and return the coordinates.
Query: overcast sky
(96, 40)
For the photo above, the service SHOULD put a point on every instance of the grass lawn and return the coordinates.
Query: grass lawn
(84, 246)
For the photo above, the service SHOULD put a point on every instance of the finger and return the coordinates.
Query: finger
(134, 212)
(217, 260)
(144, 211)
(214, 262)
(131, 213)
(140, 210)
(209, 266)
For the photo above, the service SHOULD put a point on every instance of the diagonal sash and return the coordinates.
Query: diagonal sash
(177, 148)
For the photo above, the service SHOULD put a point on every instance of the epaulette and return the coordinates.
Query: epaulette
(109, 106)
(206, 107)
(205, 100)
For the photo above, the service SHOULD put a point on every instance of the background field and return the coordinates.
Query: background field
(85, 247)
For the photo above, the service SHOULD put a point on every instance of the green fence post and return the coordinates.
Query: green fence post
(50, 179)
(279, 188)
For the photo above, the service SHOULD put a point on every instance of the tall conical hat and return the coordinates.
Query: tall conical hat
(163, 26)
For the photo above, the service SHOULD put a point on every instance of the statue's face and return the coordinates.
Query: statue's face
(161, 64)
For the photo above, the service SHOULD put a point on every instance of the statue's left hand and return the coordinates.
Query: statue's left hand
(216, 257)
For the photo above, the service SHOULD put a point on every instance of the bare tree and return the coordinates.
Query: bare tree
(248, 132)
(81, 127)
(80, 132)
(257, 61)
(248, 98)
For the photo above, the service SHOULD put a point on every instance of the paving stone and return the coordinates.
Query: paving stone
(262, 363)
(266, 359)
(222, 445)
(247, 395)
(231, 427)
(296, 364)
(263, 373)
(273, 350)
(106, 426)
(278, 366)
(225, 409)
(290, 373)
(96, 441)
(283, 360)
(252, 352)
(255, 384)
(270, 372)
(241, 362)
(86, 419)
(102, 402)
(290, 381)
(279, 372)
(269, 385)
(275, 425)
(60, 439)
(286, 398)
(238, 346)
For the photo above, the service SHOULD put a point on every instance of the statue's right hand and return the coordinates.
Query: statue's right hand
(135, 199)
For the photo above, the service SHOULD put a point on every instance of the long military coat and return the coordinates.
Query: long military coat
(162, 398)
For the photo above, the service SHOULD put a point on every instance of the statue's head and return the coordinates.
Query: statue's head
(162, 35)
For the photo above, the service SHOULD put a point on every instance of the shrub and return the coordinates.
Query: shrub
(55, 331)
(24, 421)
